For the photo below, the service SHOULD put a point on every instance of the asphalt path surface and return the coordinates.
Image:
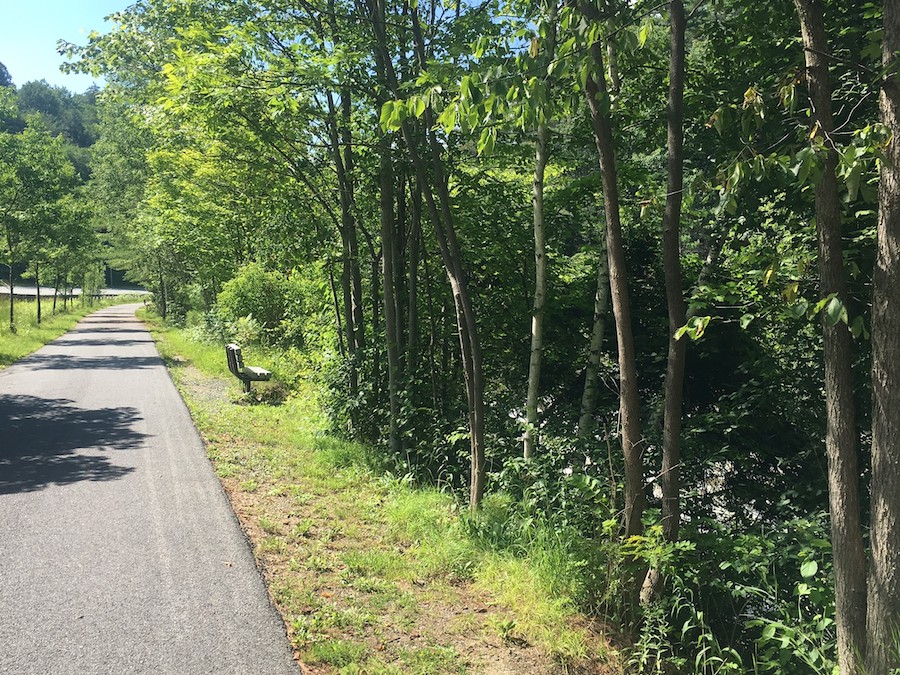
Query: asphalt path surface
(119, 551)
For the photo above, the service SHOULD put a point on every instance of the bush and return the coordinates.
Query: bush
(255, 293)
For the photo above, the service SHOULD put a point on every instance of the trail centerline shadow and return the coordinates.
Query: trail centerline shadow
(52, 442)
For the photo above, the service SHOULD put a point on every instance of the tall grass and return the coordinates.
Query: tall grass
(28, 336)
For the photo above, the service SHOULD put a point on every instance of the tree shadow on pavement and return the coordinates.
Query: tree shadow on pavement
(41, 361)
(52, 442)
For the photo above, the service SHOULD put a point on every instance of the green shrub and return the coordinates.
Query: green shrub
(255, 293)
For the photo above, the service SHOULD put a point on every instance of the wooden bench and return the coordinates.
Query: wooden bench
(246, 374)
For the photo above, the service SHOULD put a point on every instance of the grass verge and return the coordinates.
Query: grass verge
(371, 574)
(29, 336)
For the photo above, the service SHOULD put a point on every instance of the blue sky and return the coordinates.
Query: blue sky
(29, 30)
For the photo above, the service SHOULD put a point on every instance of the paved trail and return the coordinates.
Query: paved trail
(119, 552)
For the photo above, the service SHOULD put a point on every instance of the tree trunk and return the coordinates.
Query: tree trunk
(671, 239)
(540, 251)
(841, 440)
(412, 284)
(671, 505)
(55, 291)
(884, 572)
(629, 401)
(337, 313)
(386, 185)
(12, 322)
(540, 293)
(37, 289)
(437, 199)
(592, 371)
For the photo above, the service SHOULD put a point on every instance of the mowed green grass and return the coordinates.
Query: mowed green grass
(29, 336)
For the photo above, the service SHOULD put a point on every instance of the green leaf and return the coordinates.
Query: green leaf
(417, 106)
(387, 111)
(768, 632)
(808, 569)
(835, 311)
(644, 32)
(853, 178)
(746, 319)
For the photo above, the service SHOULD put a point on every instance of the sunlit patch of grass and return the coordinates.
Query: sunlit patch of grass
(337, 652)
(431, 661)
(539, 616)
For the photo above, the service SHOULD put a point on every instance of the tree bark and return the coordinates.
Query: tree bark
(883, 620)
(841, 439)
(629, 401)
(592, 371)
(386, 204)
(674, 386)
(540, 294)
(412, 303)
(540, 251)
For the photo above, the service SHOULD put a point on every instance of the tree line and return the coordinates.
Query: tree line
(46, 226)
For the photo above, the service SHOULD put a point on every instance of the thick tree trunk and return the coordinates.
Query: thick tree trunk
(884, 572)
(592, 371)
(540, 294)
(841, 440)
(629, 401)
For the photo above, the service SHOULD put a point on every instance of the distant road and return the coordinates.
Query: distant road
(25, 291)
(119, 551)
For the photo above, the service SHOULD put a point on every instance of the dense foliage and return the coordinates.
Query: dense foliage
(409, 193)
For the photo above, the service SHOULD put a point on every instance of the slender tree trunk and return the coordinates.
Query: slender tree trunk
(540, 253)
(629, 401)
(592, 371)
(671, 504)
(884, 572)
(351, 282)
(163, 300)
(37, 289)
(437, 199)
(841, 440)
(671, 237)
(337, 313)
(386, 185)
(433, 338)
(540, 293)
(55, 291)
(12, 316)
(412, 284)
